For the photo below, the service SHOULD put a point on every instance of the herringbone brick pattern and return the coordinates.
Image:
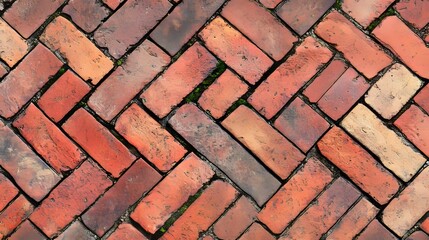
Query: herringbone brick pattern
(214, 119)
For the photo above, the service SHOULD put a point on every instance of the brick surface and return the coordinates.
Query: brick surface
(425, 225)
(365, 11)
(422, 99)
(86, 14)
(418, 235)
(126, 231)
(256, 231)
(415, 12)
(7, 191)
(3, 70)
(270, 3)
(27, 231)
(77, 231)
(113, 4)
(376, 231)
(14, 214)
(12, 46)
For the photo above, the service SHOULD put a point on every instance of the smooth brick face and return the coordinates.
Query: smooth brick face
(12, 46)
(180, 25)
(235, 50)
(171, 193)
(30, 172)
(264, 141)
(71, 198)
(376, 231)
(295, 195)
(179, 80)
(22, 83)
(256, 231)
(365, 11)
(150, 138)
(14, 214)
(63, 95)
(425, 225)
(113, 4)
(77, 231)
(95, 139)
(301, 124)
(415, 12)
(422, 99)
(302, 14)
(126, 231)
(224, 152)
(338, 30)
(3, 70)
(128, 80)
(117, 34)
(270, 3)
(91, 64)
(86, 14)
(287, 79)
(203, 212)
(418, 235)
(407, 45)
(26, 231)
(139, 179)
(392, 91)
(260, 26)
(7, 191)
(383, 142)
(359, 165)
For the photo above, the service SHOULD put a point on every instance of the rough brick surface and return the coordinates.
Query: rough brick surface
(415, 12)
(12, 46)
(27, 231)
(256, 231)
(14, 214)
(86, 14)
(126, 231)
(7, 191)
(376, 231)
(76, 231)
(365, 11)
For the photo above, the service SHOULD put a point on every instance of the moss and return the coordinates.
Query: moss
(119, 62)
(62, 70)
(338, 4)
(236, 104)
(389, 12)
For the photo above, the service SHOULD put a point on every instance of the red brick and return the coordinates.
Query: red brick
(376, 231)
(295, 195)
(330, 206)
(48, 140)
(203, 212)
(3, 70)
(425, 225)
(264, 141)
(26, 231)
(96, 140)
(193, 66)
(356, 219)
(415, 12)
(128, 80)
(208, 237)
(86, 14)
(63, 95)
(365, 11)
(7, 191)
(407, 45)
(12, 46)
(30, 172)
(289, 77)
(23, 82)
(26, 16)
(260, 26)
(422, 99)
(171, 193)
(117, 34)
(359, 165)
(322, 83)
(339, 31)
(224, 91)
(215, 144)
(150, 138)
(113, 4)
(126, 231)
(256, 231)
(76, 231)
(181, 24)
(270, 3)
(236, 220)
(301, 124)
(302, 14)
(235, 50)
(135, 182)
(418, 235)
(71, 198)
(91, 64)
(14, 214)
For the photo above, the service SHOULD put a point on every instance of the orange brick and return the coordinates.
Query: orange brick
(422, 99)
(415, 12)
(71, 198)
(7, 191)
(12, 46)
(365, 11)
(98, 142)
(126, 231)
(235, 50)
(425, 225)
(256, 231)
(337, 30)
(270, 3)
(287, 79)
(91, 64)
(86, 14)
(376, 231)
(193, 66)
(295, 195)
(76, 231)
(26, 231)
(113, 4)
(171, 193)
(264, 141)
(14, 214)
(3, 70)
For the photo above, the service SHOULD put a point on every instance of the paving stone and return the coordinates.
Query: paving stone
(27, 231)
(86, 14)
(365, 11)
(14, 214)
(376, 231)
(256, 231)
(113, 4)
(418, 235)
(7, 191)
(126, 231)
(425, 225)
(415, 12)
(3, 70)
(422, 98)
(12, 46)
(77, 231)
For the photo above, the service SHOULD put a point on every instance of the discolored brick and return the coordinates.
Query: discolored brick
(415, 12)
(3, 70)
(126, 231)
(14, 214)
(27, 231)
(365, 11)
(418, 235)
(422, 99)
(256, 231)
(7, 191)
(376, 231)
(12, 46)
(86, 14)
(113, 4)
(77, 231)
(270, 3)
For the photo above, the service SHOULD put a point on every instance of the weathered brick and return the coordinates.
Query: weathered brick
(113, 4)
(235, 50)
(256, 231)
(193, 66)
(98, 142)
(30, 172)
(392, 91)
(14, 214)
(295, 195)
(289, 77)
(150, 138)
(415, 12)
(71, 197)
(26, 231)
(425, 225)
(7, 191)
(181, 24)
(365, 11)
(359, 165)
(339, 31)
(12, 46)
(48, 140)
(126, 231)
(117, 34)
(128, 80)
(20, 85)
(418, 235)
(171, 193)
(203, 212)
(422, 99)
(86, 14)
(77, 231)
(376, 231)
(260, 26)
(62, 36)
(264, 141)
(408, 46)
(3, 70)
(393, 151)
(214, 143)
(270, 3)
(63, 95)
(136, 181)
